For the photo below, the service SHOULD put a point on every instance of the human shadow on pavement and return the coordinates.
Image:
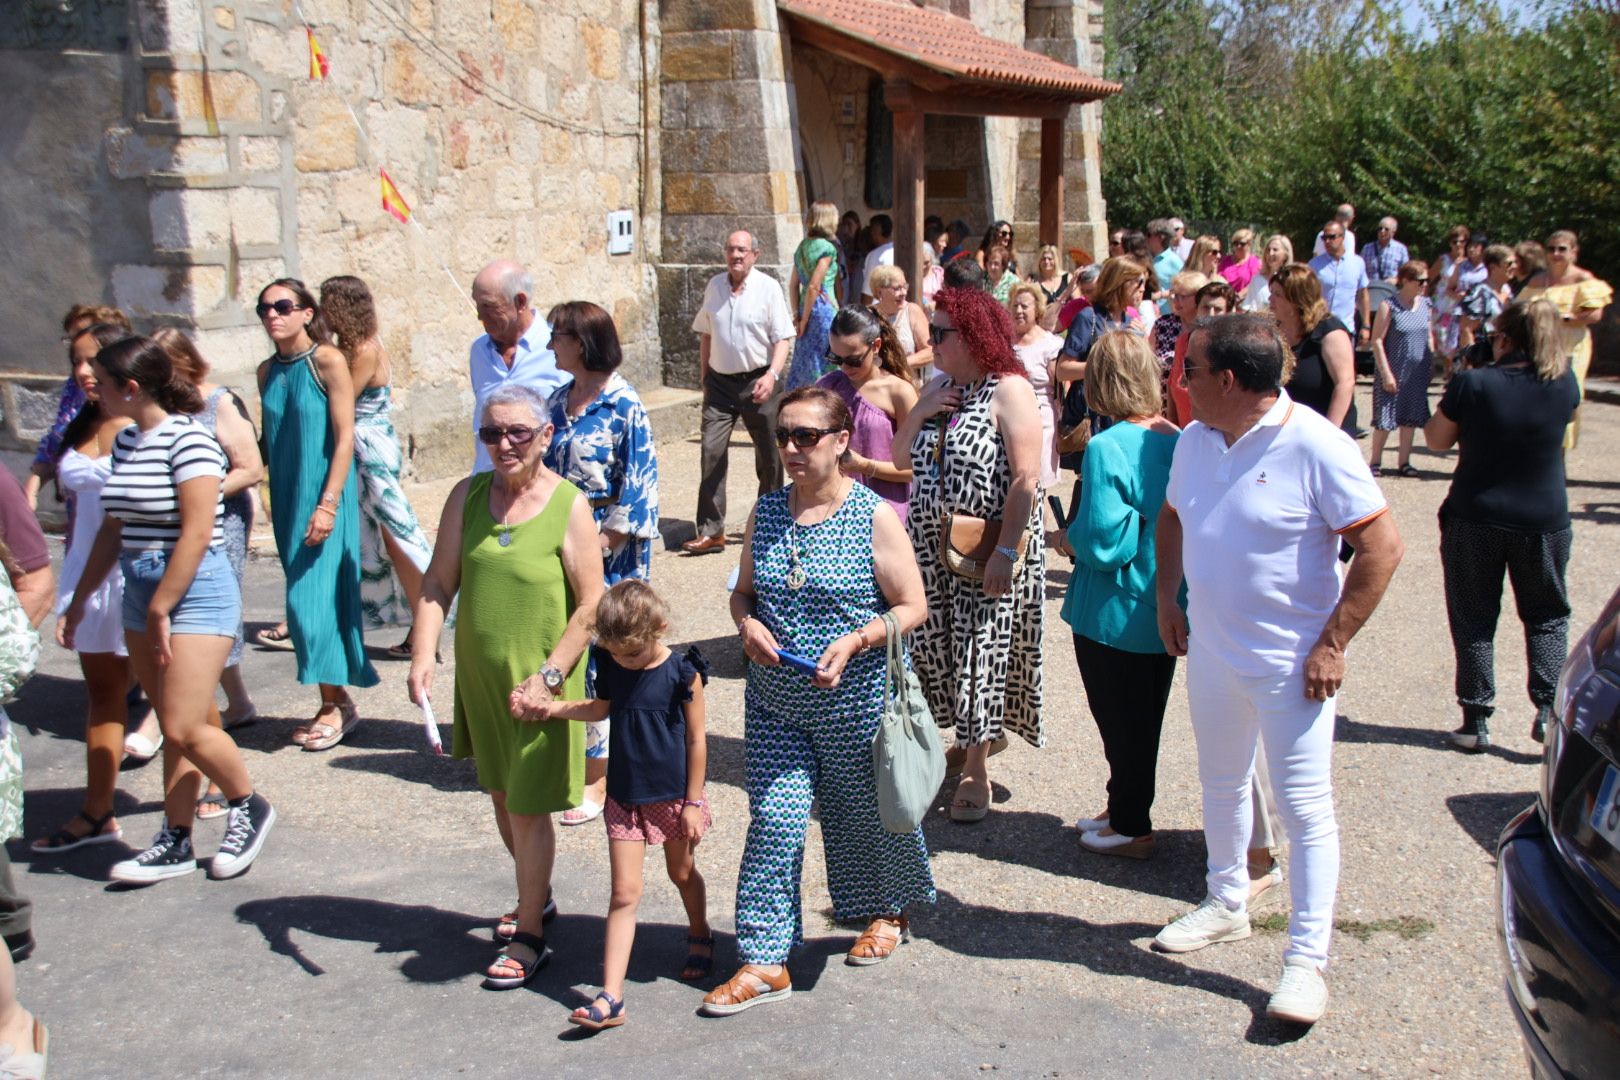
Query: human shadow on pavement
(51, 704)
(51, 808)
(1354, 731)
(724, 654)
(443, 945)
(1483, 815)
(1108, 948)
(1046, 843)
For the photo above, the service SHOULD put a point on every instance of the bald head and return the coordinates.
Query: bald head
(502, 293)
(1345, 213)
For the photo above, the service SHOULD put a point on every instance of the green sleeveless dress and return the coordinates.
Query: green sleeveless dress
(323, 582)
(515, 604)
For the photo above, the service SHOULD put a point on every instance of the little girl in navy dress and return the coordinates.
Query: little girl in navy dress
(656, 763)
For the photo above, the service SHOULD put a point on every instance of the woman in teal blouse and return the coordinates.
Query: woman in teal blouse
(1110, 604)
(815, 272)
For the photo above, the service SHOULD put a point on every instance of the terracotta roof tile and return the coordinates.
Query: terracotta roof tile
(950, 45)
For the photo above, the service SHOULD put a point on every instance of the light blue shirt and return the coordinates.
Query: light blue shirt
(1383, 263)
(1340, 279)
(533, 365)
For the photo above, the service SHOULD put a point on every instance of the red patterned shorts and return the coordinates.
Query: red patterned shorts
(653, 823)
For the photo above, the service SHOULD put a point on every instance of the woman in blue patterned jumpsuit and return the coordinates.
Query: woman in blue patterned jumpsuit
(824, 558)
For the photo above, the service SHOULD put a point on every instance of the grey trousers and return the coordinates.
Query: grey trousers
(726, 398)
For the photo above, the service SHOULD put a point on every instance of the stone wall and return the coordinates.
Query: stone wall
(727, 153)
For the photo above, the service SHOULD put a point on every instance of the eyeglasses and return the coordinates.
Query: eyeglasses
(1240, 243)
(563, 333)
(1333, 236)
(280, 307)
(936, 334)
(1419, 280)
(848, 361)
(517, 435)
(1558, 247)
(803, 437)
(1004, 232)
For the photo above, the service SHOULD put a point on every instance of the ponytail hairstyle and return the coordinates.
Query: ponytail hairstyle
(870, 326)
(142, 361)
(188, 363)
(86, 419)
(1534, 328)
(319, 332)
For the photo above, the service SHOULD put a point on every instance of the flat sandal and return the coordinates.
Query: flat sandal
(873, 947)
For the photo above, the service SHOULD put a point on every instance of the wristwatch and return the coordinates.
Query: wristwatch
(1011, 554)
(553, 677)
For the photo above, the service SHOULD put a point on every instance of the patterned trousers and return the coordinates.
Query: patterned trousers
(1473, 558)
(870, 871)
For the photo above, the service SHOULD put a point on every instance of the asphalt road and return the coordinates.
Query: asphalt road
(354, 946)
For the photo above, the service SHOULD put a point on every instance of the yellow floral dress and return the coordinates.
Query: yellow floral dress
(1569, 299)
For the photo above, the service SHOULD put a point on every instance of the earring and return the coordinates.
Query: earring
(128, 396)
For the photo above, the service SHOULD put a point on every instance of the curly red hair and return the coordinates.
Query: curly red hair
(986, 328)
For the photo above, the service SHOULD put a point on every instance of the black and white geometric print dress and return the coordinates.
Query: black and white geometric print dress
(979, 659)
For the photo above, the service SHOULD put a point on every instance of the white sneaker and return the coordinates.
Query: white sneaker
(1301, 995)
(1207, 924)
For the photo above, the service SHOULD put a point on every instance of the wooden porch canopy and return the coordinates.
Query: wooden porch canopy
(935, 62)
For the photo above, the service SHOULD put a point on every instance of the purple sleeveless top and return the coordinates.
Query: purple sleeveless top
(872, 437)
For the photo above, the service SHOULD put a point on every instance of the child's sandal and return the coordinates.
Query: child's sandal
(698, 966)
(592, 1018)
(526, 969)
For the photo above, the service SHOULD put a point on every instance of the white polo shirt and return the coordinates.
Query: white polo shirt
(742, 327)
(1260, 524)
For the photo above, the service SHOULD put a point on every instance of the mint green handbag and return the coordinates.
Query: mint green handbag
(907, 758)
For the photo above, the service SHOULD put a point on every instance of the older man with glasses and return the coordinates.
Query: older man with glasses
(1386, 255)
(745, 331)
(515, 348)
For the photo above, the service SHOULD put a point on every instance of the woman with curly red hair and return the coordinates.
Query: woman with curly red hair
(973, 443)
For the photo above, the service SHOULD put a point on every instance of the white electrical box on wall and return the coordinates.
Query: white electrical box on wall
(621, 232)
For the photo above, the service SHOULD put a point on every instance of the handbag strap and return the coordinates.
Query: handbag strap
(895, 677)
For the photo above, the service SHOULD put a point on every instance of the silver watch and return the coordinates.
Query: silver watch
(1010, 553)
(553, 677)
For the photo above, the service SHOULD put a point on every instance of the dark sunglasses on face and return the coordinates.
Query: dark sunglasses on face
(803, 437)
(936, 334)
(280, 307)
(517, 435)
(847, 361)
(1333, 236)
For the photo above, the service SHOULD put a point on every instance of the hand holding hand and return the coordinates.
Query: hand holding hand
(531, 700)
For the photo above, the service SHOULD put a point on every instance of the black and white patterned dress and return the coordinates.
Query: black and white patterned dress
(978, 658)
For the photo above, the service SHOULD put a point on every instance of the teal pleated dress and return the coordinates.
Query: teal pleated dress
(323, 582)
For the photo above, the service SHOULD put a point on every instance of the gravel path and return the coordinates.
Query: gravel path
(351, 948)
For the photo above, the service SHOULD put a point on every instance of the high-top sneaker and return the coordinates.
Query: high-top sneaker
(1538, 726)
(169, 856)
(245, 830)
(1474, 736)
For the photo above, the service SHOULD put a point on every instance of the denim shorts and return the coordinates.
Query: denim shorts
(212, 605)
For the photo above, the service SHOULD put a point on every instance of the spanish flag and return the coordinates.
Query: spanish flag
(318, 66)
(392, 200)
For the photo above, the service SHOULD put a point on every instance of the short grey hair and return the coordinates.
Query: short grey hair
(515, 281)
(753, 241)
(1088, 274)
(1161, 228)
(1177, 223)
(1393, 224)
(518, 394)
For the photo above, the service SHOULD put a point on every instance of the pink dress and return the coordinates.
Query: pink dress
(1037, 359)
(873, 437)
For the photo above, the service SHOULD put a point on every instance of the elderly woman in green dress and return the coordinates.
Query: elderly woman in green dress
(520, 545)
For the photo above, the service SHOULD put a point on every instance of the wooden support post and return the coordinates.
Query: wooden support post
(1052, 185)
(909, 178)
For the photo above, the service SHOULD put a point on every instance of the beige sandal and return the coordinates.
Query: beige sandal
(323, 735)
(966, 810)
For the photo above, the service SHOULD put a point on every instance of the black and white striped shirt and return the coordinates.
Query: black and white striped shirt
(148, 468)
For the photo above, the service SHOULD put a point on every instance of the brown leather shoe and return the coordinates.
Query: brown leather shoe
(740, 992)
(705, 544)
(878, 941)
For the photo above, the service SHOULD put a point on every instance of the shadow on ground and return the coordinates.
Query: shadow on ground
(1485, 814)
(1354, 731)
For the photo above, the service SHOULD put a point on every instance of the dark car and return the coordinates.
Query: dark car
(1558, 874)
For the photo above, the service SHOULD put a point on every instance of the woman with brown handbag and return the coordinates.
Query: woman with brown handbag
(973, 443)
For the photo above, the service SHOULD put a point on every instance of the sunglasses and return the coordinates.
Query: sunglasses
(936, 334)
(1333, 236)
(847, 361)
(280, 307)
(803, 437)
(517, 435)
(1559, 247)
(1419, 280)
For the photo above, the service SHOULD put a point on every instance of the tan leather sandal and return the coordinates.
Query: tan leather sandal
(738, 992)
(876, 943)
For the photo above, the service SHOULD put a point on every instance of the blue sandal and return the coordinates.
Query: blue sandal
(528, 968)
(698, 966)
(592, 1018)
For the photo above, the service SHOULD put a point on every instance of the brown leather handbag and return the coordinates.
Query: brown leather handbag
(966, 544)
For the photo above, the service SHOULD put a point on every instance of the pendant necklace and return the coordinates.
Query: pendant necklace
(503, 531)
(796, 577)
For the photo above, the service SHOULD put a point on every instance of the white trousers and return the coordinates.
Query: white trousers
(1232, 717)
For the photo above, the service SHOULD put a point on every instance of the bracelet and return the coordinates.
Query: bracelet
(860, 632)
(742, 622)
(329, 499)
(329, 509)
(699, 803)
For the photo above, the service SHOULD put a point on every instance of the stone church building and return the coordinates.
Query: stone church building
(172, 156)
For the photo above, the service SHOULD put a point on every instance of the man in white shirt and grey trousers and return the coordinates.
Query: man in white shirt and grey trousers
(746, 332)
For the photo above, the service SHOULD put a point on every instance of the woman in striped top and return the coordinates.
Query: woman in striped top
(181, 602)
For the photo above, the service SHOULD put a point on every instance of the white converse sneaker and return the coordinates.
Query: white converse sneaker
(1301, 995)
(1207, 924)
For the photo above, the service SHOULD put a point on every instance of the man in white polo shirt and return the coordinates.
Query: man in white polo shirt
(745, 332)
(1261, 492)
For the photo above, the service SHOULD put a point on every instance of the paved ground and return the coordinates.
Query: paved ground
(352, 948)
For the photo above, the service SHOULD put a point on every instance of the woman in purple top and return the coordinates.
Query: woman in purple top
(875, 382)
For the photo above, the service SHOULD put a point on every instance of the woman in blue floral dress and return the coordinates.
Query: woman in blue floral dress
(602, 443)
(815, 272)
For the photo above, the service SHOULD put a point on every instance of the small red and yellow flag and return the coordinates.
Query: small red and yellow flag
(318, 66)
(392, 200)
